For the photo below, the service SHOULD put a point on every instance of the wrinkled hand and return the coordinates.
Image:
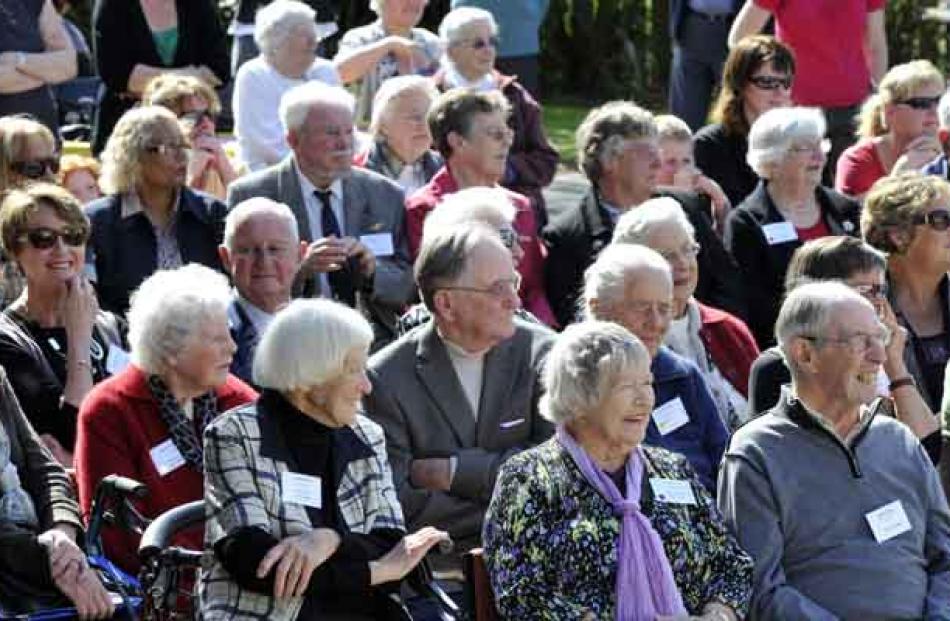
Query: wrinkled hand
(79, 308)
(405, 555)
(198, 165)
(921, 151)
(432, 473)
(296, 558)
(72, 575)
(327, 254)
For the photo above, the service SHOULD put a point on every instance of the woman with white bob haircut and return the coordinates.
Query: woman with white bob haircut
(286, 34)
(718, 343)
(787, 149)
(146, 422)
(581, 496)
(303, 517)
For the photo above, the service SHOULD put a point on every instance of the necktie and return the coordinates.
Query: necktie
(341, 280)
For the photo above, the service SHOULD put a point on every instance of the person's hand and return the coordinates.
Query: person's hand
(364, 255)
(921, 151)
(200, 161)
(295, 558)
(894, 365)
(327, 254)
(79, 309)
(62, 550)
(8, 59)
(405, 555)
(64, 457)
(409, 55)
(718, 199)
(432, 473)
(86, 592)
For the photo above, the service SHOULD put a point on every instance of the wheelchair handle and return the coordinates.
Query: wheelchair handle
(115, 485)
(160, 531)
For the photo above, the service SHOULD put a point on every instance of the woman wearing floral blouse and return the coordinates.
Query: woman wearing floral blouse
(563, 542)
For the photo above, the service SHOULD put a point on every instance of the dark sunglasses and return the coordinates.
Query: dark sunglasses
(36, 169)
(771, 82)
(199, 115)
(920, 103)
(480, 44)
(938, 219)
(43, 238)
(876, 292)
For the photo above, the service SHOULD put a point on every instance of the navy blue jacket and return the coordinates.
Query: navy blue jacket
(702, 441)
(246, 337)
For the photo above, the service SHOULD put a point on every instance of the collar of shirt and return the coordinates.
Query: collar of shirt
(314, 205)
(819, 418)
(132, 205)
(260, 318)
(455, 79)
(613, 212)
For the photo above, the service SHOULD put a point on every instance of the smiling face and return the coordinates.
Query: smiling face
(620, 421)
(473, 55)
(49, 268)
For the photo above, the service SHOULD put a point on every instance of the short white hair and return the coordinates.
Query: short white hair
(943, 110)
(584, 365)
(376, 6)
(395, 88)
(636, 225)
(489, 206)
(167, 309)
(775, 131)
(297, 103)
(258, 206)
(457, 21)
(617, 266)
(307, 343)
(275, 22)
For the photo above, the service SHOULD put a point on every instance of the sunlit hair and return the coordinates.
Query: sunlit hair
(899, 83)
(16, 132)
(169, 90)
(135, 131)
(617, 266)
(394, 89)
(20, 204)
(671, 127)
(277, 21)
(455, 111)
(891, 205)
(636, 225)
(836, 257)
(604, 131)
(776, 131)
(489, 206)
(255, 207)
(297, 103)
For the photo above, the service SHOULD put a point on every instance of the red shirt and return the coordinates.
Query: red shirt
(820, 229)
(858, 168)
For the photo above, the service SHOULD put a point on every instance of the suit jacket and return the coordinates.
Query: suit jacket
(246, 337)
(420, 403)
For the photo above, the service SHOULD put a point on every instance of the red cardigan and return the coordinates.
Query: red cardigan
(730, 345)
(531, 268)
(119, 423)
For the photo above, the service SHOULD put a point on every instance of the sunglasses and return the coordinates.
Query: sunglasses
(43, 238)
(480, 44)
(938, 219)
(875, 292)
(920, 103)
(771, 82)
(198, 116)
(166, 150)
(36, 169)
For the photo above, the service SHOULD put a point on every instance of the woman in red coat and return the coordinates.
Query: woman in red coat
(146, 423)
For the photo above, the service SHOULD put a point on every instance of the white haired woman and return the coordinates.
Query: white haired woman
(287, 36)
(401, 148)
(146, 422)
(150, 219)
(303, 518)
(719, 343)
(635, 550)
(789, 206)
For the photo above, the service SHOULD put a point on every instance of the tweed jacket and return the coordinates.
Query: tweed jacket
(246, 456)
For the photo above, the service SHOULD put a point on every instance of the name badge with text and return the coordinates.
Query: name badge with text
(166, 457)
(302, 489)
(673, 491)
(670, 416)
(888, 521)
(779, 233)
(380, 244)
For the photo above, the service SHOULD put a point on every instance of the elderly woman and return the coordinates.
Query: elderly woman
(756, 78)
(57, 344)
(146, 422)
(41, 564)
(636, 551)
(390, 46)
(303, 518)
(718, 343)
(633, 286)
(789, 206)
(287, 37)
(80, 175)
(149, 219)
(470, 38)
(402, 143)
(197, 107)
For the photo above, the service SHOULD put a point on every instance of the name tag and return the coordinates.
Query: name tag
(301, 489)
(673, 491)
(779, 233)
(888, 521)
(166, 457)
(670, 416)
(117, 359)
(380, 244)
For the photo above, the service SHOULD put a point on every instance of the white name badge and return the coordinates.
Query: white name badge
(166, 457)
(779, 232)
(380, 244)
(888, 521)
(117, 359)
(673, 491)
(670, 416)
(301, 489)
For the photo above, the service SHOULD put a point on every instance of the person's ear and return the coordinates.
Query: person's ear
(455, 140)
(442, 301)
(293, 139)
(225, 257)
(302, 251)
(802, 352)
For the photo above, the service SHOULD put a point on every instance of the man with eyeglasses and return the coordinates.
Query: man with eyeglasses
(836, 501)
(458, 395)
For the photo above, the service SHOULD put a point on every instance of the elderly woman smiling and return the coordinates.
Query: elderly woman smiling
(640, 531)
(304, 521)
(146, 422)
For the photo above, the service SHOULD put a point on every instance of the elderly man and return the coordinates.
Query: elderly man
(261, 252)
(458, 395)
(351, 218)
(618, 151)
(470, 130)
(836, 501)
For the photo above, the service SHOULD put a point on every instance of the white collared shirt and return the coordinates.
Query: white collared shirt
(314, 208)
(259, 318)
(167, 252)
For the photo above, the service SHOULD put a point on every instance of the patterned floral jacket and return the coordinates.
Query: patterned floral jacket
(551, 540)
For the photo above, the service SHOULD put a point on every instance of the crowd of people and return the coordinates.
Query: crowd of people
(716, 386)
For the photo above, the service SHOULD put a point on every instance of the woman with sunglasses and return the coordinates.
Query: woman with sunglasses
(470, 38)
(57, 343)
(898, 128)
(756, 78)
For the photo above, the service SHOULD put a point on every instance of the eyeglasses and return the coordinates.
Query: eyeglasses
(43, 238)
(643, 308)
(822, 146)
(508, 237)
(499, 134)
(920, 103)
(195, 117)
(481, 44)
(36, 169)
(501, 288)
(771, 82)
(859, 342)
(871, 292)
(688, 251)
(938, 219)
(269, 252)
(166, 150)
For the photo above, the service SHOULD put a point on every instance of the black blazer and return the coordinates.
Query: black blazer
(577, 236)
(722, 158)
(762, 266)
(123, 250)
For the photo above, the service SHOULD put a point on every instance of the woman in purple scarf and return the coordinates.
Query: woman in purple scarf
(592, 525)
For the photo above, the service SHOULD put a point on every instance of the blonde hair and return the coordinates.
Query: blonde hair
(671, 127)
(121, 159)
(892, 204)
(15, 135)
(899, 83)
(169, 90)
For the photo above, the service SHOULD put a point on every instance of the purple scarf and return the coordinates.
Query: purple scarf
(645, 586)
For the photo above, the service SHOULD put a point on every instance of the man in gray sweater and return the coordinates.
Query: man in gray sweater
(837, 502)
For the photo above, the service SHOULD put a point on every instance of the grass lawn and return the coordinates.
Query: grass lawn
(561, 119)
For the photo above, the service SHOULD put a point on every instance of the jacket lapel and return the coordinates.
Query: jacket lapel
(497, 379)
(290, 193)
(354, 200)
(437, 375)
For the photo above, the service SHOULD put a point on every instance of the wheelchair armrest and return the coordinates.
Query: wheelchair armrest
(421, 580)
(479, 598)
(158, 534)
